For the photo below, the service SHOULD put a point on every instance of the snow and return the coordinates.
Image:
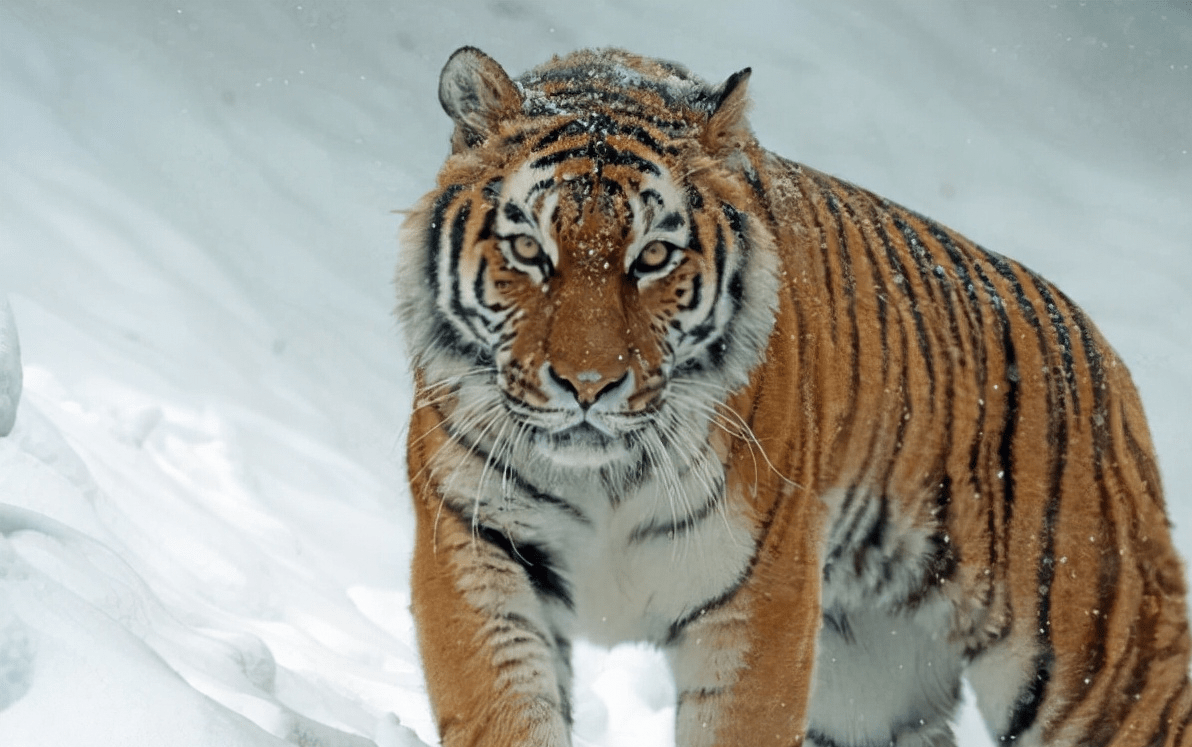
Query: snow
(204, 530)
(11, 373)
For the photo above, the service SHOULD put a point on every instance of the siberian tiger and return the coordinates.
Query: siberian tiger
(827, 454)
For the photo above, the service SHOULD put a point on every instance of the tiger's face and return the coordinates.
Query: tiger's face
(592, 280)
(587, 275)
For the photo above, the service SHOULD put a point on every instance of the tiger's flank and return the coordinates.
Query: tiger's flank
(827, 454)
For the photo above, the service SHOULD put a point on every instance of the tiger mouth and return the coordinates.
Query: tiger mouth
(583, 434)
(583, 445)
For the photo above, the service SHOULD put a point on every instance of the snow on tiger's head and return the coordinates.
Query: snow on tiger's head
(589, 263)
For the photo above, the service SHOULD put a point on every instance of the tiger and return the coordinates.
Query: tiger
(829, 456)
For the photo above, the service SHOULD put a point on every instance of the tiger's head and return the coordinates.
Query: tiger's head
(588, 280)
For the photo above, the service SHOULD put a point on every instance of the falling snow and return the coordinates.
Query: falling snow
(204, 529)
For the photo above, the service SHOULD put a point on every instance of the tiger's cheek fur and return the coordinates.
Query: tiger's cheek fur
(520, 357)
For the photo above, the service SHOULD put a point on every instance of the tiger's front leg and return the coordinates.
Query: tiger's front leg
(495, 671)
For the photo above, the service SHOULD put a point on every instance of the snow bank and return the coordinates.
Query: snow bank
(11, 375)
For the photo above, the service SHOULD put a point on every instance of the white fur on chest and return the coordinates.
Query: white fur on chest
(626, 587)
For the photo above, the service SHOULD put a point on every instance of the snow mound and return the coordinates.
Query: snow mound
(10, 373)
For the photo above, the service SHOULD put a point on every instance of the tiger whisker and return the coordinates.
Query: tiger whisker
(723, 416)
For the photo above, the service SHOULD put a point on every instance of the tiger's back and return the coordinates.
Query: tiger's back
(826, 453)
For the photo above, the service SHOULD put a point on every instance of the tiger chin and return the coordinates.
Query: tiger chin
(825, 453)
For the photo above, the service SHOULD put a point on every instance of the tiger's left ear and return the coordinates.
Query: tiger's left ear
(728, 128)
(477, 93)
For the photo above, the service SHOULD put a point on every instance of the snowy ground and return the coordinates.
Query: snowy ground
(203, 523)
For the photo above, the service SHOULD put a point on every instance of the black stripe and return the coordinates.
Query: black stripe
(551, 500)
(511, 475)
(977, 359)
(717, 350)
(563, 656)
(939, 285)
(672, 529)
(540, 185)
(1005, 448)
(821, 229)
(678, 626)
(1142, 459)
(944, 561)
(848, 283)
(736, 221)
(1109, 563)
(755, 183)
(591, 122)
(1026, 706)
(708, 326)
(876, 535)
(486, 226)
(904, 386)
(514, 214)
(853, 515)
(470, 317)
(902, 281)
(720, 255)
(736, 290)
(1057, 442)
(885, 475)
(478, 285)
(1062, 335)
(458, 227)
(640, 135)
(446, 336)
(1166, 719)
(836, 620)
(880, 284)
(669, 222)
(697, 284)
(511, 621)
(612, 188)
(537, 562)
(693, 243)
(434, 234)
(492, 190)
(817, 737)
(934, 282)
(516, 138)
(976, 326)
(941, 288)
(603, 154)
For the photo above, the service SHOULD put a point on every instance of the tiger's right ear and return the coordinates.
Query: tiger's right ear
(728, 127)
(477, 93)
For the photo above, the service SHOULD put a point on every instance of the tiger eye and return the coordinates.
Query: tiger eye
(653, 257)
(526, 248)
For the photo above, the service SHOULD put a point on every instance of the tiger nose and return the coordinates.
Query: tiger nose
(587, 386)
